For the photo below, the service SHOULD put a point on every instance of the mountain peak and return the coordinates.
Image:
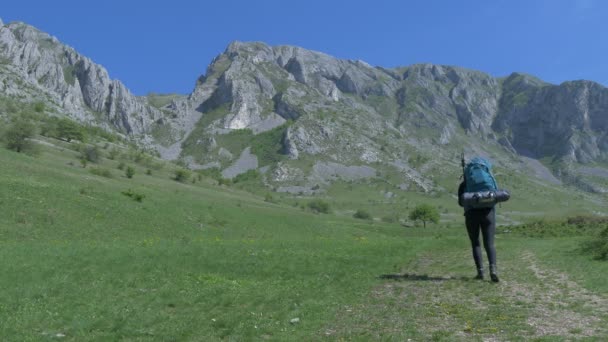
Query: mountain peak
(524, 79)
(239, 48)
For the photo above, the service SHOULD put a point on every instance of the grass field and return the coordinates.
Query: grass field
(201, 262)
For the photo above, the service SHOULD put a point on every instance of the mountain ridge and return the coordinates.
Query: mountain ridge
(282, 107)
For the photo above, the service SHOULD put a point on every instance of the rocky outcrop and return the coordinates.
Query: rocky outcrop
(568, 121)
(73, 82)
(246, 162)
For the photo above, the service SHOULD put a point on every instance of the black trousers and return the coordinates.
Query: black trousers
(484, 221)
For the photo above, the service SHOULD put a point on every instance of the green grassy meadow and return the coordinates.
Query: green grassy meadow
(81, 261)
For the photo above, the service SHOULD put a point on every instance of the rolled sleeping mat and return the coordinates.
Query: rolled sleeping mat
(485, 199)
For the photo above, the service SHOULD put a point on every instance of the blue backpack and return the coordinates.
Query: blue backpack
(478, 176)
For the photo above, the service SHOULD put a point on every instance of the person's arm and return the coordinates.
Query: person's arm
(460, 192)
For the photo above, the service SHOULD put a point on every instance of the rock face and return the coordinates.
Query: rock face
(69, 81)
(353, 114)
(569, 120)
(313, 118)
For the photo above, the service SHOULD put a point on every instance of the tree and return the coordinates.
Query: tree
(18, 134)
(425, 213)
(68, 130)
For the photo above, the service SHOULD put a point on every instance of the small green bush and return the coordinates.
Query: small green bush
(85, 190)
(214, 173)
(134, 195)
(113, 153)
(90, 153)
(129, 172)
(224, 181)
(599, 246)
(121, 166)
(39, 107)
(250, 175)
(573, 226)
(362, 214)
(181, 175)
(319, 206)
(268, 198)
(149, 172)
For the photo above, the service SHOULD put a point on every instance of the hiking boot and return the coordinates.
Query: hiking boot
(479, 275)
(494, 274)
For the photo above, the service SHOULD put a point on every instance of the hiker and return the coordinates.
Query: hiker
(478, 179)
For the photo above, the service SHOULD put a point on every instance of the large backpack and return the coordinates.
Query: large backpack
(478, 176)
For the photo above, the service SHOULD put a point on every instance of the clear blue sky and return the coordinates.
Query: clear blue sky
(163, 46)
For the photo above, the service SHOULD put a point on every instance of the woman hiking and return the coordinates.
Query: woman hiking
(478, 179)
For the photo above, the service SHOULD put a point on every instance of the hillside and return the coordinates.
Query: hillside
(86, 258)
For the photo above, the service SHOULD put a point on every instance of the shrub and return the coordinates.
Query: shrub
(90, 153)
(98, 171)
(268, 198)
(85, 191)
(582, 221)
(149, 172)
(599, 247)
(39, 107)
(224, 181)
(129, 172)
(425, 213)
(362, 214)
(213, 172)
(319, 206)
(250, 175)
(121, 166)
(573, 226)
(134, 195)
(113, 153)
(181, 175)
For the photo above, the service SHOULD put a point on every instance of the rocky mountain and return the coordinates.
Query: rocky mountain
(338, 116)
(35, 66)
(305, 119)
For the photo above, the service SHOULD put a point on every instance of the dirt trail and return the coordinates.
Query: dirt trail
(430, 299)
(555, 298)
